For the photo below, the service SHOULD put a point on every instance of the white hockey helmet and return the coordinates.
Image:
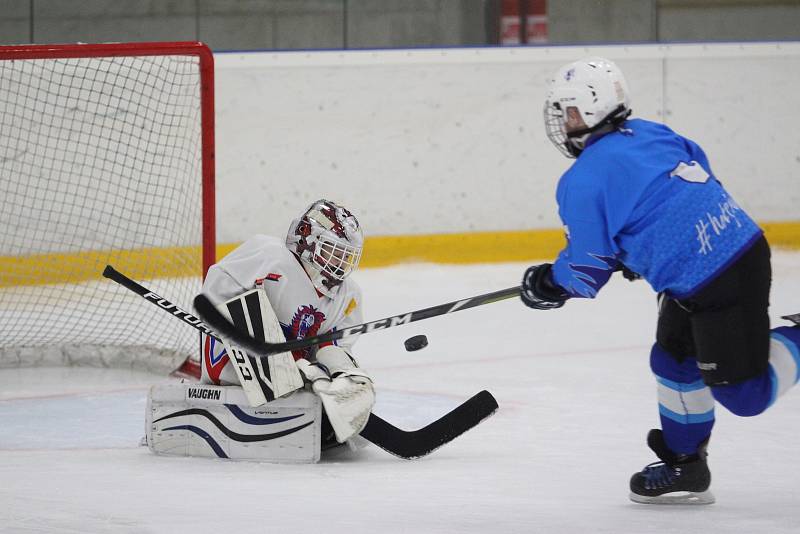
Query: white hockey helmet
(584, 97)
(328, 240)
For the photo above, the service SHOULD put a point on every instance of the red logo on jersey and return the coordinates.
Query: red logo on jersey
(272, 277)
(306, 323)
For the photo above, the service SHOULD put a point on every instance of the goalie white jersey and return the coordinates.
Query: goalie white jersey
(302, 311)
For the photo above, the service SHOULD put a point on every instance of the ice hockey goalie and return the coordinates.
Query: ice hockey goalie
(285, 408)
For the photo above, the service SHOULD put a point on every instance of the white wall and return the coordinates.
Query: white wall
(451, 140)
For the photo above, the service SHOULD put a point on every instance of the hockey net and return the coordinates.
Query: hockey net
(106, 157)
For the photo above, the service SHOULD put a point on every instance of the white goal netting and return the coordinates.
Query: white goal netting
(101, 162)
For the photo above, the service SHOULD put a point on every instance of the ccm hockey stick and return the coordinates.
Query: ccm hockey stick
(404, 444)
(401, 443)
(212, 316)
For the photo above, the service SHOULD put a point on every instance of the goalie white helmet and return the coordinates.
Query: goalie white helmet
(584, 97)
(328, 240)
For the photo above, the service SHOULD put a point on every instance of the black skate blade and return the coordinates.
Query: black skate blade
(678, 497)
(795, 318)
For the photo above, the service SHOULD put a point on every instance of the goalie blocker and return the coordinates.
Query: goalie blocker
(262, 379)
(218, 422)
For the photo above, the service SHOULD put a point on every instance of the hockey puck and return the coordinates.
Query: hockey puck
(416, 343)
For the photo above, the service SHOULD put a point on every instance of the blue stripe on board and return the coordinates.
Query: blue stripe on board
(203, 434)
(690, 418)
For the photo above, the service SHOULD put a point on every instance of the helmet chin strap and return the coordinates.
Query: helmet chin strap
(576, 139)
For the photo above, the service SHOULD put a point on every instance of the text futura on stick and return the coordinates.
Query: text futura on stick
(179, 312)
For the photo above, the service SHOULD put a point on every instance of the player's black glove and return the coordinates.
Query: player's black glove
(538, 289)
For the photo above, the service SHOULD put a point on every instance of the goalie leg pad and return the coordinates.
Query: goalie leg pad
(218, 422)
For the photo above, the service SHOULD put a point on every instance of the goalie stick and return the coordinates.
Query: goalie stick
(411, 444)
(210, 314)
(407, 444)
(113, 274)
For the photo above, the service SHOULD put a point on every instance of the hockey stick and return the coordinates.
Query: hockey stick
(401, 443)
(418, 443)
(113, 274)
(261, 378)
(212, 316)
(404, 444)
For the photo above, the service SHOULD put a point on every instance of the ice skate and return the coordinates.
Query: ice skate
(676, 479)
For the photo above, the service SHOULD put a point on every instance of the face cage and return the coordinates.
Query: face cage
(556, 132)
(336, 259)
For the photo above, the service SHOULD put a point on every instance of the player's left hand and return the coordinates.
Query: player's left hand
(538, 289)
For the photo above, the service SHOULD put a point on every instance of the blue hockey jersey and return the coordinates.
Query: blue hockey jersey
(646, 196)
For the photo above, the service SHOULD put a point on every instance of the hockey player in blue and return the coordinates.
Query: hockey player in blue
(643, 199)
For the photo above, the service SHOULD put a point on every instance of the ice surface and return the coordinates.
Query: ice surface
(576, 400)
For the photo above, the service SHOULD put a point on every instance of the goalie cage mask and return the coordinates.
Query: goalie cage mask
(328, 240)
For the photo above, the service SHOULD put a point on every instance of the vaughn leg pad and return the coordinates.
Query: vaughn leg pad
(218, 422)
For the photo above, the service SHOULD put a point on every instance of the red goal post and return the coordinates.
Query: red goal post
(107, 156)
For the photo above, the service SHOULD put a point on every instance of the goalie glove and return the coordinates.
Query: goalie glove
(345, 390)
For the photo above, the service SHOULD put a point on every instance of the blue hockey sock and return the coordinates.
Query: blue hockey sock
(784, 359)
(756, 394)
(685, 404)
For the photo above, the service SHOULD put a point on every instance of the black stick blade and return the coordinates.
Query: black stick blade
(418, 443)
